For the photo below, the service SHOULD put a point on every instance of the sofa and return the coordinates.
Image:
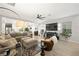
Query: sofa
(16, 34)
(10, 43)
(7, 45)
(28, 44)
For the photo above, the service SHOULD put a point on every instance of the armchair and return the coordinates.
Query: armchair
(46, 45)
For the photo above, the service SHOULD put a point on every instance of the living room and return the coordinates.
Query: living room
(39, 29)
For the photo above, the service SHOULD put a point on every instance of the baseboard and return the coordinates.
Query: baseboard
(74, 41)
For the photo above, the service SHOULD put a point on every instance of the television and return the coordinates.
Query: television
(52, 27)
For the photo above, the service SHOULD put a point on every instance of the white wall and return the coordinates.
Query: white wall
(4, 20)
(8, 20)
(40, 27)
(0, 24)
(75, 26)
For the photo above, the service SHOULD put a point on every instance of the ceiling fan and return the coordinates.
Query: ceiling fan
(39, 16)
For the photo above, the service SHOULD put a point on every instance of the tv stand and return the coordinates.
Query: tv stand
(50, 34)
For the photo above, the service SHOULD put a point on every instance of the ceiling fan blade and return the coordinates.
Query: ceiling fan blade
(43, 17)
(40, 15)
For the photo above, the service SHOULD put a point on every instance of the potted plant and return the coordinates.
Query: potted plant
(26, 29)
(66, 33)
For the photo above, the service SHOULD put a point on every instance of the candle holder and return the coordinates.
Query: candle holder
(42, 49)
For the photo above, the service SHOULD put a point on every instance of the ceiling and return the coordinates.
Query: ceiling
(28, 12)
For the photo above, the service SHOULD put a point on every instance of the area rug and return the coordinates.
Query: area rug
(29, 52)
